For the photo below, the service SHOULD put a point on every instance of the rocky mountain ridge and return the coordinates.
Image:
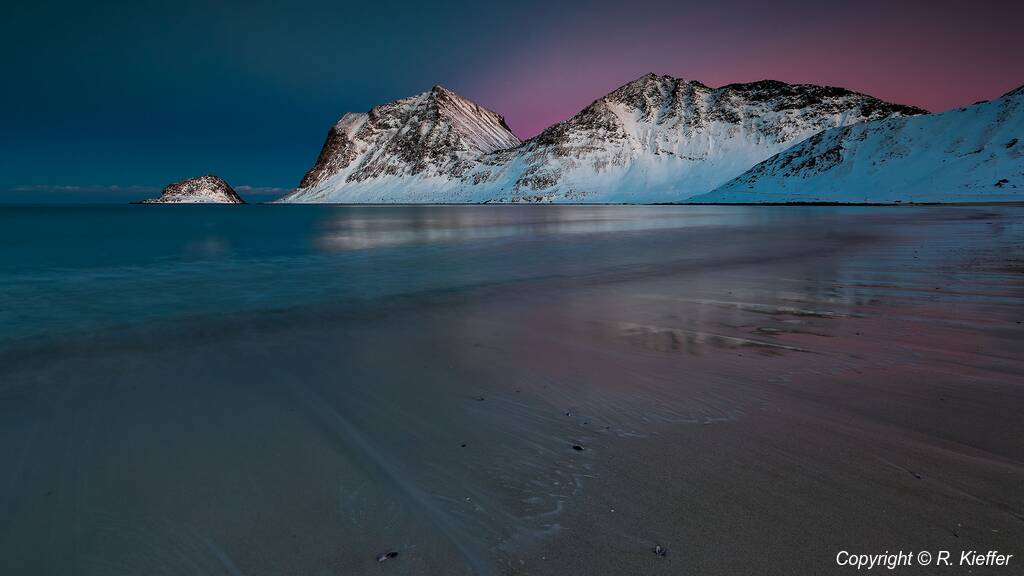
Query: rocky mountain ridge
(663, 139)
(433, 137)
(968, 154)
(655, 139)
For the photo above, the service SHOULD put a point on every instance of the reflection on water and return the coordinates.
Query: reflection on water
(371, 229)
(79, 268)
(302, 389)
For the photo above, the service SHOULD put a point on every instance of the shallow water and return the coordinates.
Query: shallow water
(300, 389)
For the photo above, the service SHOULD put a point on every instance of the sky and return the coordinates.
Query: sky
(111, 101)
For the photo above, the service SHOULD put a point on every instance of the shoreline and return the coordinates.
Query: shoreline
(753, 395)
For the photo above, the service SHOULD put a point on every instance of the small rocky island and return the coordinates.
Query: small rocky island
(207, 189)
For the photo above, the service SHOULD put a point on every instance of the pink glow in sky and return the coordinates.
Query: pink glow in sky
(935, 55)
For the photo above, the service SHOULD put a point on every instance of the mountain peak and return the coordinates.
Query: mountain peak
(439, 93)
(435, 133)
(668, 138)
(764, 84)
(652, 76)
(651, 92)
(798, 96)
(657, 138)
(650, 79)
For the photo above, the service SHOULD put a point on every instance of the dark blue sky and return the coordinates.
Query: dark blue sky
(108, 101)
(143, 93)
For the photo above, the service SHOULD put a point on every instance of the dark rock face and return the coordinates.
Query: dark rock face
(207, 189)
(437, 133)
(337, 153)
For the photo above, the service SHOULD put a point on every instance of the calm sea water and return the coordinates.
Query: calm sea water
(92, 267)
(300, 389)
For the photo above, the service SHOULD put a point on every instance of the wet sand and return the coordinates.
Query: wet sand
(753, 401)
(853, 446)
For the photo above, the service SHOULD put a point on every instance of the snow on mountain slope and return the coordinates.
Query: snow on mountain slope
(969, 154)
(207, 189)
(405, 151)
(663, 139)
(656, 139)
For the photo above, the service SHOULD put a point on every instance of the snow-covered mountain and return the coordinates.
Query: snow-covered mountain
(663, 139)
(656, 139)
(207, 189)
(969, 154)
(411, 150)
